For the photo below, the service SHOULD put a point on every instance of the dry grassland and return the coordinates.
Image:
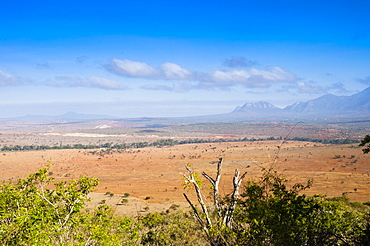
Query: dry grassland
(156, 173)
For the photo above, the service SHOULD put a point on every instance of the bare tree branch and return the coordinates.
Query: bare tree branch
(234, 198)
(225, 213)
(215, 184)
(196, 214)
(192, 180)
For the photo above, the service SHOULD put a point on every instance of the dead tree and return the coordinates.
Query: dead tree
(224, 212)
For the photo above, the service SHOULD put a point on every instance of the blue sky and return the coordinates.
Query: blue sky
(178, 58)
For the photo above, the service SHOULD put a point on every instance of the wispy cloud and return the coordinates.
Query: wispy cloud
(176, 87)
(154, 87)
(339, 88)
(44, 65)
(312, 87)
(239, 61)
(184, 86)
(365, 80)
(90, 82)
(9, 80)
(223, 79)
(81, 59)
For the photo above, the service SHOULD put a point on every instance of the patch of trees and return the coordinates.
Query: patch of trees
(76, 146)
(168, 142)
(325, 141)
(366, 144)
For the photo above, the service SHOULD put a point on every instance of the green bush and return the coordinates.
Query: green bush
(268, 213)
(33, 214)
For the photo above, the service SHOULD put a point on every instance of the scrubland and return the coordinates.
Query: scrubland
(147, 185)
(155, 175)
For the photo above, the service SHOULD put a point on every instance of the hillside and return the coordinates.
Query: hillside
(324, 107)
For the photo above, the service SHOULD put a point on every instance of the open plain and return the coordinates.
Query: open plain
(153, 176)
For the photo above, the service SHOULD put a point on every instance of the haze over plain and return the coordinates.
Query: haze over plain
(183, 58)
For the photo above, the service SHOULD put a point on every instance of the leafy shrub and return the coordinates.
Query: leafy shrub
(171, 229)
(33, 214)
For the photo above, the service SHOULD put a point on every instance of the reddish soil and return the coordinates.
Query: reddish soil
(156, 173)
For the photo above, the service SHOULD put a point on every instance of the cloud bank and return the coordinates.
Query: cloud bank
(312, 87)
(224, 79)
(64, 81)
(89, 82)
(9, 80)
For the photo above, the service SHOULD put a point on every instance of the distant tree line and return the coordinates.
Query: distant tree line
(326, 141)
(168, 142)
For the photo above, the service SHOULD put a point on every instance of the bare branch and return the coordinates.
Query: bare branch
(282, 143)
(215, 184)
(234, 197)
(226, 212)
(196, 214)
(192, 180)
(210, 179)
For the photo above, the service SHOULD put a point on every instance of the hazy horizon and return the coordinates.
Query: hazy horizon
(183, 58)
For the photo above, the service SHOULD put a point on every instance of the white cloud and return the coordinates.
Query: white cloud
(174, 71)
(132, 69)
(166, 71)
(250, 78)
(236, 76)
(9, 80)
(105, 83)
(274, 74)
(90, 82)
(253, 78)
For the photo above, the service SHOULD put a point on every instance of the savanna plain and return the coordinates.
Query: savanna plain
(152, 177)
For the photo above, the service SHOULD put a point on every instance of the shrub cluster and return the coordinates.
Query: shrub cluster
(268, 213)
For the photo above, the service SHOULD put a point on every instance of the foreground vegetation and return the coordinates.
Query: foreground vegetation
(265, 211)
(37, 211)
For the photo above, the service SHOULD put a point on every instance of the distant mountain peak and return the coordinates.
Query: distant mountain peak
(328, 105)
(260, 105)
(256, 108)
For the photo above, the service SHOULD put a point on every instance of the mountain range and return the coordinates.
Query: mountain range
(325, 107)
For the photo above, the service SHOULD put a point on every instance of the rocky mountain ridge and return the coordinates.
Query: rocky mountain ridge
(326, 105)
